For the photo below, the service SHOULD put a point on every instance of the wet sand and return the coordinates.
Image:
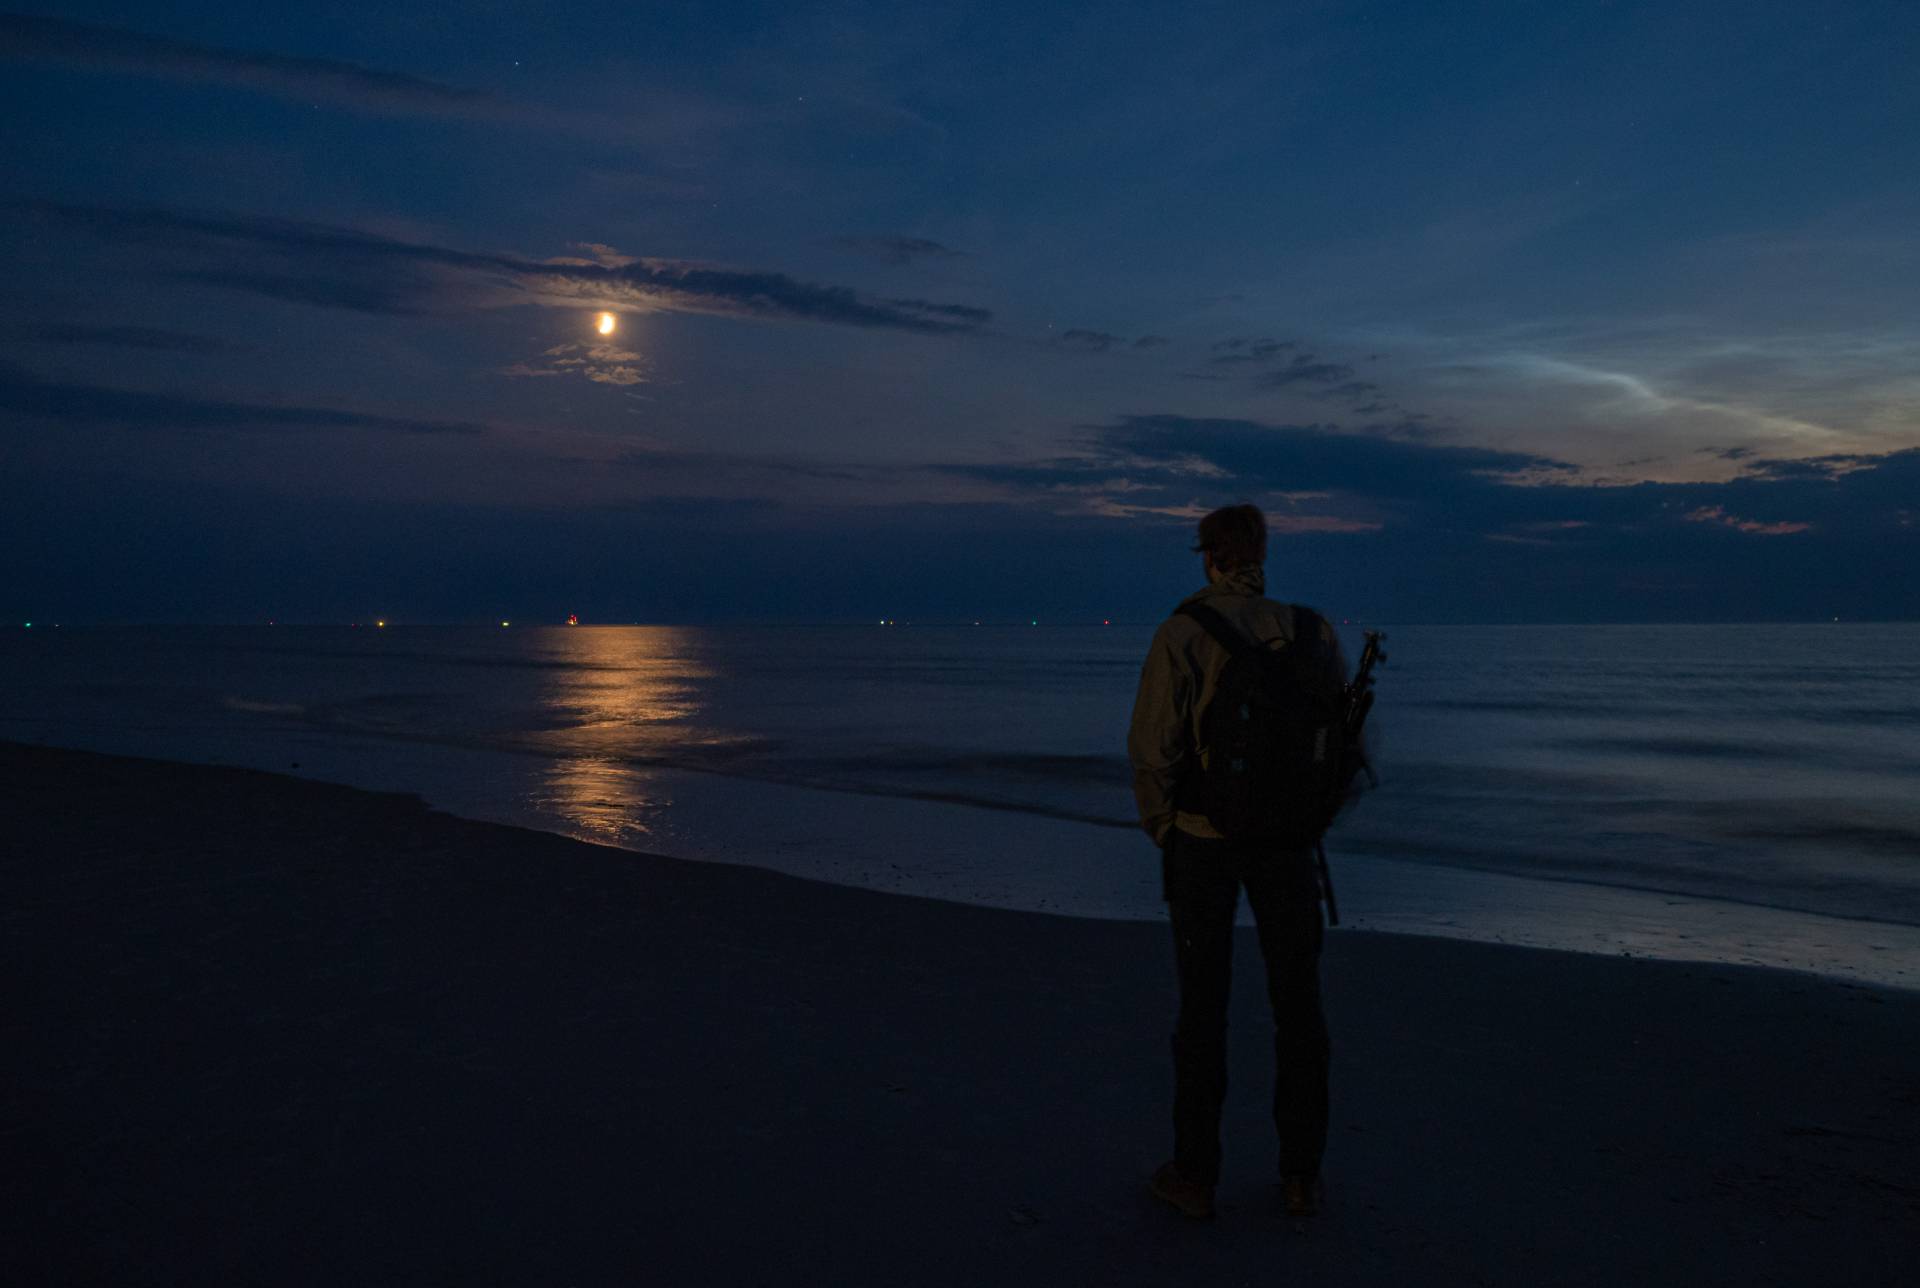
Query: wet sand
(271, 1031)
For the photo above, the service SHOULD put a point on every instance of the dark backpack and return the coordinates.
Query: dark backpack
(1275, 731)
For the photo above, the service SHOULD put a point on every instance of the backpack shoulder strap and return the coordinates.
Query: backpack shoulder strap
(1218, 627)
(1306, 624)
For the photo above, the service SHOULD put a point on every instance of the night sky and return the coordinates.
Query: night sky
(1504, 312)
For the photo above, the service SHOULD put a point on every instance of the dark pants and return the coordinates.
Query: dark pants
(1202, 887)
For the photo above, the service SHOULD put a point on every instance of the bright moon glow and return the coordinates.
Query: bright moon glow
(605, 324)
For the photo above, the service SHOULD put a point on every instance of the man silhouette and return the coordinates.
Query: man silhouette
(1203, 870)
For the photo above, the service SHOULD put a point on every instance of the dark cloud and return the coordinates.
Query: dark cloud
(736, 293)
(127, 337)
(363, 294)
(1175, 455)
(1399, 478)
(1305, 369)
(1296, 367)
(26, 395)
(898, 250)
(1150, 342)
(1463, 547)
(963, 313)
(345, 268)
(711, 464)
(1237, 351)
(1297, 458)
(1718, 514)
(26, 36)
(1814, 467)
(1089, 341)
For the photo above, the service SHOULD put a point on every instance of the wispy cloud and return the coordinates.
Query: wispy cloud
(964, 314)
(1084, 340)
(1304, 369)
(158, 339)
(898, 250)
(399, 295)
(27, 395)
(1285, 364)
(605, 364)
(655, 118)
(1354, 389)
(28, 36)
(345, 268)
(1240, 350)
(1718, 514)
(1671, 399)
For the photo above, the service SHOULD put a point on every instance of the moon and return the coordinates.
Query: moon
(605, 324)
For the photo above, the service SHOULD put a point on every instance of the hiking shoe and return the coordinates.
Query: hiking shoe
(1301, 1194)
(1192, 1198)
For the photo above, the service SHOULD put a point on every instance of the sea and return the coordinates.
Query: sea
(1723, 793)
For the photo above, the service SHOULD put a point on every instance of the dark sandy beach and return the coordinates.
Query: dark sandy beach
(266, 1031)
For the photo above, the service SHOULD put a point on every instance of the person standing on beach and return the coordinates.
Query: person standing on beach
(1203, 870)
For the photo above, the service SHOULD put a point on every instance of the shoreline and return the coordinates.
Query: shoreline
(1120, 882)
(974, 857)
(273, 1030)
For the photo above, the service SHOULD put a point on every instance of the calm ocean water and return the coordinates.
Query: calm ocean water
(1753, 766)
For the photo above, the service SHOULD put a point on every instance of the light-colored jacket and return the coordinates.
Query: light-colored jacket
(1182, 670)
